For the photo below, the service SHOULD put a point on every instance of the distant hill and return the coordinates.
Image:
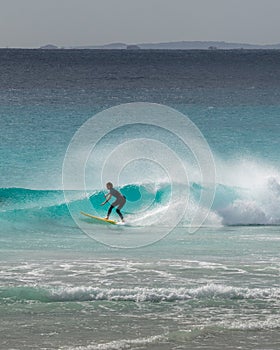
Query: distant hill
(48, 47)
(176, 45)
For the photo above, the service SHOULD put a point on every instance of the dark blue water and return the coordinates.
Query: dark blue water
(232, 96)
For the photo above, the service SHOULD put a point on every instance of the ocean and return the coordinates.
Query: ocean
(191, 138)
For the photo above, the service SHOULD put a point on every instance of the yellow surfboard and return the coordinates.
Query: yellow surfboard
(113, 222)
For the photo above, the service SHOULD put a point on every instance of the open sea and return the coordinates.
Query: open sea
(69, 282)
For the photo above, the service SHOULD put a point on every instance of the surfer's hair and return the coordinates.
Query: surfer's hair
(109, 184)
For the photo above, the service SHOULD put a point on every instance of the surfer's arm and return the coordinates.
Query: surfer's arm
(108, 197)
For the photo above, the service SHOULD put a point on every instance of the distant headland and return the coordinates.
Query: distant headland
(176, 45)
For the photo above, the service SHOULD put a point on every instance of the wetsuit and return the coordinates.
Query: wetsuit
(119, 202)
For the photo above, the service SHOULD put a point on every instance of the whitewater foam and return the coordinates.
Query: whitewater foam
(120, 344)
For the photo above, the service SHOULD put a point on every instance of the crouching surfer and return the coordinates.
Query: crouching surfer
(119, 202)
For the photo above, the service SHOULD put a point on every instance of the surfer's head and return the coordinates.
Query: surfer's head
(109, 185)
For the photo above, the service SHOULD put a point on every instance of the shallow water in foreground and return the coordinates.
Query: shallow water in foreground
(216, 289)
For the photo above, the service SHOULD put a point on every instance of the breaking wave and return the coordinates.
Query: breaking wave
(136, 294)
(233, 205)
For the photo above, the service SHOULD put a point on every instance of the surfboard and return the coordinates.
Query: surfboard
(113, 222)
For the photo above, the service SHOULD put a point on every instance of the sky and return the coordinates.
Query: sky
(33, 23)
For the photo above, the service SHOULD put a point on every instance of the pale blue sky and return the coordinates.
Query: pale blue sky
(32, 23)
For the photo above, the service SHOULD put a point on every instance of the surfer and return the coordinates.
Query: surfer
(119, 202)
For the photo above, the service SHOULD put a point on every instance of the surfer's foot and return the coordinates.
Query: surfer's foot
(123, 220)
(106, 218)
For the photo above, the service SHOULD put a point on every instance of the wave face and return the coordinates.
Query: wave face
(233, 205)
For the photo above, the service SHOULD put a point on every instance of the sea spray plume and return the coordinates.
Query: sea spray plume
(254, 197)
(160, 119)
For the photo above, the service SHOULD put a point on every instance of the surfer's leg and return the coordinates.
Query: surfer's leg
(119, 213)
(109, 211)
(121, 204)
